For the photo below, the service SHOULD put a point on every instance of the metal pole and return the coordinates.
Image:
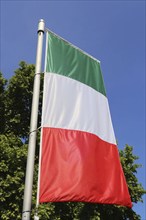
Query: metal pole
(33, 127)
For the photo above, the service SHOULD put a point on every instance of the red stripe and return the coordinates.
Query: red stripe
(79, 166)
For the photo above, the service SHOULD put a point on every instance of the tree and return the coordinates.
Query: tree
(18, 100)
(12, 162)
(15, 110)
(2, 104)
(130, 169)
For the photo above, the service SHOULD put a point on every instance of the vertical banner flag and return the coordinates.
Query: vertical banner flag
(79, 158)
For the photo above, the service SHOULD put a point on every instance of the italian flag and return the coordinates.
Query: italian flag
(79, 159)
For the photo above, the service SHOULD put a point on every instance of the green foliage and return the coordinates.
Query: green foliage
(18, 100)
(2, 103)
(15, 108)
(130, 170)
(12, 167)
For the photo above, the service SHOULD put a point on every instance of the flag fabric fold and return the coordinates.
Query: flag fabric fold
(79, 156)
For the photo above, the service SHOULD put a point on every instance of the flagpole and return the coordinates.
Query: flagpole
(33, 126)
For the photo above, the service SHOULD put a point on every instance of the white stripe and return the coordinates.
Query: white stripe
(72, 105)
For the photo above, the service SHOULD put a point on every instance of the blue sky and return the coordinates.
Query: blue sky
(111, 31)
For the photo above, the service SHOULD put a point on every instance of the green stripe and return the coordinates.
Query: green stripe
(64, 59)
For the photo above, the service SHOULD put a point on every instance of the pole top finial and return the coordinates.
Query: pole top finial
(41, 26)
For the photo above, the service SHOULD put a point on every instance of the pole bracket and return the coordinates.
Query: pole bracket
(26, 215)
